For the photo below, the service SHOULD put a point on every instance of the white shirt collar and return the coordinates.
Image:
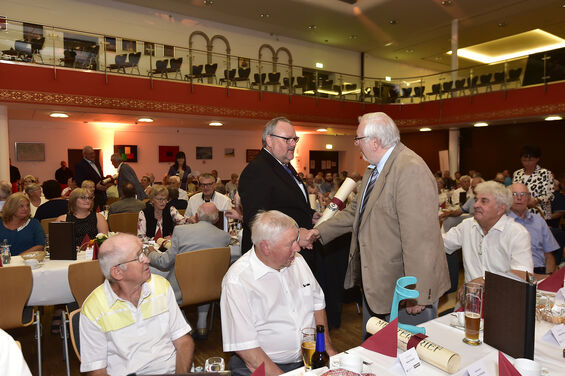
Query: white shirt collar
(112, 297)
(498, 226)
(259, 268)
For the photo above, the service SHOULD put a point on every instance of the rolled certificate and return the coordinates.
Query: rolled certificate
(165, 243)
(107, 180)
(429, 352)
(312, 199)
(338, 202)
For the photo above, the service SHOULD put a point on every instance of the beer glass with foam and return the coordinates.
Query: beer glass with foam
(308, 346)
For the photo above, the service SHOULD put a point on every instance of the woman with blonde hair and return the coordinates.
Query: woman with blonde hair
(158, 215)
(35, 195)
(87, 221)
(23, 233)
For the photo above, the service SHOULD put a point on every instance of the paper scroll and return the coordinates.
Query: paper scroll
(428, 351)
(338, 202)
(165, 243)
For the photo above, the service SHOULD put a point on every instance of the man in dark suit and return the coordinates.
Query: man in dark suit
(128, 203)
(89, 169)
(125, 174)
(270, 182)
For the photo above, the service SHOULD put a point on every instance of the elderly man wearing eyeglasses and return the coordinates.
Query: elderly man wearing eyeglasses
(132, 323)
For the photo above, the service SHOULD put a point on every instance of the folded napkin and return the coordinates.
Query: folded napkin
(85, 240)
(554, 282)
(158, 234)
(260, 371)
(95, 251)
(385, 341)
(505, 368)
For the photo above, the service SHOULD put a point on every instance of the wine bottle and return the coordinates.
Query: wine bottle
(320, 358)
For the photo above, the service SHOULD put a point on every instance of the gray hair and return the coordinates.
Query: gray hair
(116, 157)
(157, 190)
(112, 252)
(206, 213)
(380, 125)
(32, 187)
(502, 195)
(5, 189)
(270, 127)
(86, 149)
(269, 225)
(466, 177)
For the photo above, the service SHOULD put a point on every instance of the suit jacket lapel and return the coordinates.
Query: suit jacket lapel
(285, 176)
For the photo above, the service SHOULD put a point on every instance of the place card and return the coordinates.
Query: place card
(410, 361)
(558, 332)
(477, 369)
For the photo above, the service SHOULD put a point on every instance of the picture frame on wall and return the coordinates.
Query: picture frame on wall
(128, 152)
(168, 51)
(3, 23)
(168, 153)
(203, 152)
(243, 62)
(30, 151)
(129, 45)
(149, 48)
(110, 44)
(229, 152)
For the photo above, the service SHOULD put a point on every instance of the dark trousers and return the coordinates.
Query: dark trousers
(238, 368)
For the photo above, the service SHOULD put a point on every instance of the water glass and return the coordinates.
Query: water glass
(214, 364)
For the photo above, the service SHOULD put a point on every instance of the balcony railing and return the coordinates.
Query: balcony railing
(65, 48)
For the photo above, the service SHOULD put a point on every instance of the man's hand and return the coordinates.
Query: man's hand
(413, 308)
(233, 214)
(308, 237)
(101, 187)
(315, 217)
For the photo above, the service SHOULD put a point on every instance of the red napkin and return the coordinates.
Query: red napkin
(158, 235)
(85, 240)
(554, 282)
(95, 251)
(384, 341)
(260, 371)
(505, 368)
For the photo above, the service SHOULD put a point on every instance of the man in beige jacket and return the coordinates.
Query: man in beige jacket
(394, 224)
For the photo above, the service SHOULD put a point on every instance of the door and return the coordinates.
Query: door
(325, 161)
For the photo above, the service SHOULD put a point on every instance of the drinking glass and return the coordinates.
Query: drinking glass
(473, 310)
(214, 364)
(308, 346)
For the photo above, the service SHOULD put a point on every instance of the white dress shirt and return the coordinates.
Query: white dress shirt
(266, 308)
(506, 246)
(12, 361)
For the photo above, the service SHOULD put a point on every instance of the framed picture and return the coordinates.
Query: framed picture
(250, 154)
(128, 152)
(203, 152)
(30, 151)
(149, 48)
(110, 44)
(168, 153)
(229, 152)
(3, 23)
(243, 62)
(129, 45)
(168, 51)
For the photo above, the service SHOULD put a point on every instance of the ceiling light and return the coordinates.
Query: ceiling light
(145, 120)
(410, 51)
(502, 24)
(388, 44)
(61, 115)
(215, 124)
(319, 65)
(480, 124)
(329, 146)
(553, 117)
(447, 3)
(426, 129)
(393, 22)
(387, 78)
(518, 45)
(208, 3)
(265, 15)
(312, 27)
(321, 130)
(353, 36)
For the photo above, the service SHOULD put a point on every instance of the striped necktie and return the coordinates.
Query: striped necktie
(369, 188)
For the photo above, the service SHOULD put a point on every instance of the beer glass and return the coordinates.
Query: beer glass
(308, 346)
(473, 309)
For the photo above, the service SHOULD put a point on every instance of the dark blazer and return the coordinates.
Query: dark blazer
(128, 174)
(83, 171)
(266, 185)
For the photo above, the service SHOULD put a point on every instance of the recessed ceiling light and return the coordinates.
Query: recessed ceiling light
(388, 44)
(208, 3)
(480, 124)
(447, 3)
(321, 130)
(215, 124)
(329, 146)
(353, 36)
(501, 24)
(410, 51)
(319, 65)
(312, 27)
(388, 78)
(145, 120)
(553, 117)
(265, 15)
(61, 115)
(393, 22)
(426, 129)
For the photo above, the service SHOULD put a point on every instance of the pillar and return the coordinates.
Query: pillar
(4, 145)
(454, 47)
(453, 151)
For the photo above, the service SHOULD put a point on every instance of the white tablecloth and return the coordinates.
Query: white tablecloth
(440, 332)
(50, 282)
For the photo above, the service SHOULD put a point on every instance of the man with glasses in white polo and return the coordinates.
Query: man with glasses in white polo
(132, 323)
(208, 185)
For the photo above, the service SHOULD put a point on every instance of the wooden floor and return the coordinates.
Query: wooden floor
(347, 336)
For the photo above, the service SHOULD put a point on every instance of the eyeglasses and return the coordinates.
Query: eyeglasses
(287, 139)
(357, 139)
(206, 184)
(160, 199)
(86, 197)
(140, 258)
(520, 194)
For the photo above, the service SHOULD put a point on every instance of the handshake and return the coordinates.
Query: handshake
(307, 238)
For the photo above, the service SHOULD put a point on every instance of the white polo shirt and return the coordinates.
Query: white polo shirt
(266, 308)
(221, 201)
(506, 246)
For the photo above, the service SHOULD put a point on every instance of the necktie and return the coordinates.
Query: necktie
(370, 185)
(287, 168)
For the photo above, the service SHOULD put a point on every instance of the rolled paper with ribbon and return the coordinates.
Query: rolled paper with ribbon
(107, 180)
(338, 202)
(165, 243)
(312, 199)
(428, 351)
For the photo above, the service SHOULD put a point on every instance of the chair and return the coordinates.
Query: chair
(196, 73)
(419, 91)
(472, 84)
(45, 224)
(258, 80)
(176, 64)
(36, 47)
(288, 83)
(133, 62)
(160, 68)
(229, 75)
(447, 87)
(15, 288)
(69, 58)
(120, 61)
(514, 74)
(123, 222)
(74, 320)
(23, 49)
(301, 83)
(406, 92)
(210, 71)
(274, 79)
(243, 75)
(200, 273)
(436, 90)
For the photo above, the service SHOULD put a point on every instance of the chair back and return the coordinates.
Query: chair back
(74, 320)
(123, 222)
(45, 224)
(15, 288)
(197, 70)
(200, 273)
(176, 64)
(121, 59)
(134, 58)
(84, 277)
(161, 65)
(244, 72)
(22, 47)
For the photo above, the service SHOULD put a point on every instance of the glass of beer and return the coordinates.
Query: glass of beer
(308, 346)
(473, 309)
